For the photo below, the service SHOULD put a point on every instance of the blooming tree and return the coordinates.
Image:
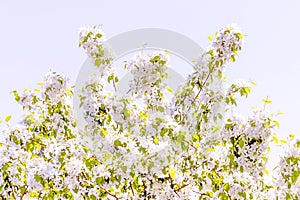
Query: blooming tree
(143, 145)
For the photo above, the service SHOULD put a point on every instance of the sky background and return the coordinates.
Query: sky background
(37, 36)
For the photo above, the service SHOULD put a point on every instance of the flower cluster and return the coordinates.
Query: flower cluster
(228, 42)
(249, 141)
(54, 87)
(149, 75)
(225, 46)
(288, 178)
(92, 40)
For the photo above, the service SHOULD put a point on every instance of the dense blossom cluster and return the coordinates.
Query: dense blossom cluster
(92, 40)
(288, 180)
(249, 141)
(142, 145)
(227, 44)
(223, 50)
(149, 75)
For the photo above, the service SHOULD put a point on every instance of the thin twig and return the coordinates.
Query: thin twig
(131, 188)
(25, 191)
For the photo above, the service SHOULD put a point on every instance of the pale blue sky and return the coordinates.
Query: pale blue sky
(37, 36)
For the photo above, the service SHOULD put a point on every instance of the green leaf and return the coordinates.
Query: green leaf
(97, 62)
(276, 123)
(226, 187)
(208, 150)
(275, 139)
(241, 143)
(291, 136)
(8, 118)
(29, 146)
(104, 132)
(283, 141)
(39, 179)
(266, 101)
(243, 194)
(117, 143)
(196, 137)
(280, 113)
(124, 168)
(23, 188)
(126, 113)
(111, 77)
(38, 147)
(98, 35)
(93, 197)
(155, 140)
(17, 97)
(150, 165)
(210, 38)
(170, 90)
(210, 194)
(239, 35)
(116, 79)
(100, 180)
(172, 172)
(161, 109)
(295, 176)
(223, 196)
(6, 166)
(232, 58)
(266, 172)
